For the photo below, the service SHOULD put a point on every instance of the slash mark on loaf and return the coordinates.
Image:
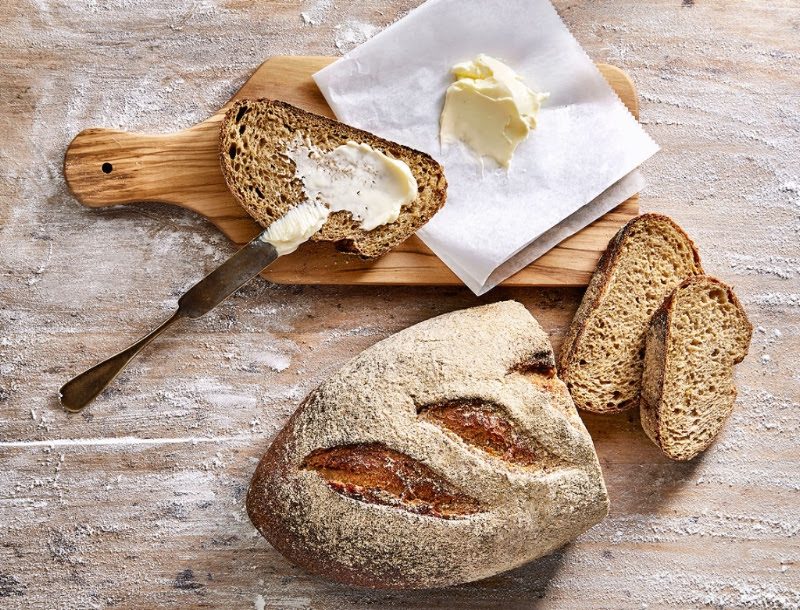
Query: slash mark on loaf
(375, 474)
(485, 425)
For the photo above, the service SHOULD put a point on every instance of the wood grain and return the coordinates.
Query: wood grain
(139, 502)
(105, 167)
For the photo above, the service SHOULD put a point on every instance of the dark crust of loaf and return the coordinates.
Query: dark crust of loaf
(597, 288)
(341, 228)
(494, 433)
(661, 329)
(658, 336)
(374, 473)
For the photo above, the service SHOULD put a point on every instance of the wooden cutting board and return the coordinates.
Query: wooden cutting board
(105, 167)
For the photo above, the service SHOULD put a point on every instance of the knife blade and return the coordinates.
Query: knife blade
(250, 260)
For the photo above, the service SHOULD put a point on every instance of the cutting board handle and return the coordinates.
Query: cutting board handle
(106, 167)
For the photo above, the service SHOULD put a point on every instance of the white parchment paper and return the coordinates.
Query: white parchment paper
(586, 140)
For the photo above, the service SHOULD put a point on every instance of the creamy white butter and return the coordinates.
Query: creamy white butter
(489, 108)
(355, 178)
(296, 226)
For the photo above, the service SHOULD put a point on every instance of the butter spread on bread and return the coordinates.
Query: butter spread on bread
(254, 138)
(489, 108)
(355, 178)
(446, 453)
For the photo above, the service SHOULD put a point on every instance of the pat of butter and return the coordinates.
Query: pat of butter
(489, 108)
(296, 226)
(355, 178)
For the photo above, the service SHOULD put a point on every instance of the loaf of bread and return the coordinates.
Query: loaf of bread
(693, 341)
(254, 138)
(444, 454)
(601, 358)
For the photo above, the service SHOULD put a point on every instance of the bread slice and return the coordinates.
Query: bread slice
(446, 453)
(601, 359)
(254, 137)
(693, 341)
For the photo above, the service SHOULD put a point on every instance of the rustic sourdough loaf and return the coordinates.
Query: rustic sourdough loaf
(693, 341)
(254, 138)
(446, 453)
(601, 359)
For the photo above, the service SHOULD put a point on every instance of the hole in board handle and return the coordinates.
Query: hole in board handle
(106, 167)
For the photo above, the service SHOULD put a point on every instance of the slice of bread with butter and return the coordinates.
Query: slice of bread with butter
(276, 157)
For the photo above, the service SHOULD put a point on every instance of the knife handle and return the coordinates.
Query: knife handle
(201, 298)
(83, 389)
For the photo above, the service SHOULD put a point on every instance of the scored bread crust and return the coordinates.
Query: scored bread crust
(496, 353)
(593, 297)
(658, 340)
(254, 137)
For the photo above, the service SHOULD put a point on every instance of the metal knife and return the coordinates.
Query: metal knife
(201, 298)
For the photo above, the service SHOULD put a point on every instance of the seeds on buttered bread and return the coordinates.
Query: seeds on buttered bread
(444, 454)
(693, 342)
(601, 359)
(255, 138)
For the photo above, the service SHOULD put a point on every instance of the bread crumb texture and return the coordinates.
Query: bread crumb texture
(254, 139)
(693, 342)
(446, 453)
(602, 356)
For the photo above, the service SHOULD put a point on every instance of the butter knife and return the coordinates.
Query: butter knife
(201, 298)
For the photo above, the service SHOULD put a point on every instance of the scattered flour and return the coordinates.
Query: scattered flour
(316, 13)
(275, 361)
(352, 33)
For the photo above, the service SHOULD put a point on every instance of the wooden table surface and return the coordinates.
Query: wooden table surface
(139, 502)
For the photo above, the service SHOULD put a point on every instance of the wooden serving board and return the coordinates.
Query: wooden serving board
(105, 167)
